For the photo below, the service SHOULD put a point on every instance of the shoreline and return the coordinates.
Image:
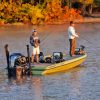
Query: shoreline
(90, 20)
(84, 20)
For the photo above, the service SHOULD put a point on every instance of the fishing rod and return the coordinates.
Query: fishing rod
(44, 38)
(86, 40)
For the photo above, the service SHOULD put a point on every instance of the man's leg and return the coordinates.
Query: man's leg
(74, 46)
(37, 54)
(37, 58)
(71, 46)
(75, 43)
(32, 58)
(33, 53)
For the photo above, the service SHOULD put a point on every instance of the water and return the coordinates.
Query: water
(80, 83)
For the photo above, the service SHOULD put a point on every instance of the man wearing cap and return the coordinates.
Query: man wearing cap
(72, 38)
(35, 42)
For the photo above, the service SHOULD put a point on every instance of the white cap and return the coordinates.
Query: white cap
(34, 30)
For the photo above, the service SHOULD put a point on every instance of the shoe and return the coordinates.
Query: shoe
(38, 62)
(72, 55)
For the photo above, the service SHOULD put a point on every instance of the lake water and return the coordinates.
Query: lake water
(80, 83)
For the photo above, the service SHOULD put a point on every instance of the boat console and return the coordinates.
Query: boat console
(57, 57)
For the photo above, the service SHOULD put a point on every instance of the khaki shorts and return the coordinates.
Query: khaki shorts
(36, 50)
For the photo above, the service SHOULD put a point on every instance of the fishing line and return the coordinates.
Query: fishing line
(43, 42)
(86, 40)
(44, 39)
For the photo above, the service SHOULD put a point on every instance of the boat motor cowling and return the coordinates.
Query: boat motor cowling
(17, 59)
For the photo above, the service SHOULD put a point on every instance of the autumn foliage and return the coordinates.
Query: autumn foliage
(71, 14)
(49, 12)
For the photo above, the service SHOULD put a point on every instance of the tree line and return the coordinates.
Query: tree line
(85, 5)
(48, 11)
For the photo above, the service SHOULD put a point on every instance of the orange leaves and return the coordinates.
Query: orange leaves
(53, 11)
(71, 14)
(49, 12)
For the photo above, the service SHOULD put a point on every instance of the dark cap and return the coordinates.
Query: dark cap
(71, 22)
(34, 30)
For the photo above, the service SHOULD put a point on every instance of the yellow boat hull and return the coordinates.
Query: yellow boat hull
(63, 66)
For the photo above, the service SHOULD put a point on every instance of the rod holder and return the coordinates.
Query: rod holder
(28, 54)
(7, 55)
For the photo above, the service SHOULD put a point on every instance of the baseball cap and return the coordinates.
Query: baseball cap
(34, 30)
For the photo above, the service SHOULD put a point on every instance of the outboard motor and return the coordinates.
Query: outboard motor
(17, 59)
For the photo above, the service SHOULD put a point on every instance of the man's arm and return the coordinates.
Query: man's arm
(73, 32)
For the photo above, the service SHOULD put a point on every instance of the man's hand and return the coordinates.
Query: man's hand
(78, 34)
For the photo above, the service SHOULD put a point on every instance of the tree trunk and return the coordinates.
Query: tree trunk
(69, 3)
(90, 9)
(32, 1)
(84, 8)
(39, 1)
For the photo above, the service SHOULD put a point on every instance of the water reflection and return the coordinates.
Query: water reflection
(75, 84)
(37, 86)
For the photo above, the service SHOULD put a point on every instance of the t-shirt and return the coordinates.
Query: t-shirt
(71, 32)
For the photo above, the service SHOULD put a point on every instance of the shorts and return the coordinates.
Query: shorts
(36, 50)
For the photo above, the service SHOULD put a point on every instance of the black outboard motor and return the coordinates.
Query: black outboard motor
(17, 59)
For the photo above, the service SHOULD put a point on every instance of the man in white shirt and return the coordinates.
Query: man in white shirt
(72, 38)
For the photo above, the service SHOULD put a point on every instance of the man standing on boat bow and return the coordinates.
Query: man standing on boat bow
(72, 38)
(35, 43)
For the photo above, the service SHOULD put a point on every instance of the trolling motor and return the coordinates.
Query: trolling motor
(80, 51)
